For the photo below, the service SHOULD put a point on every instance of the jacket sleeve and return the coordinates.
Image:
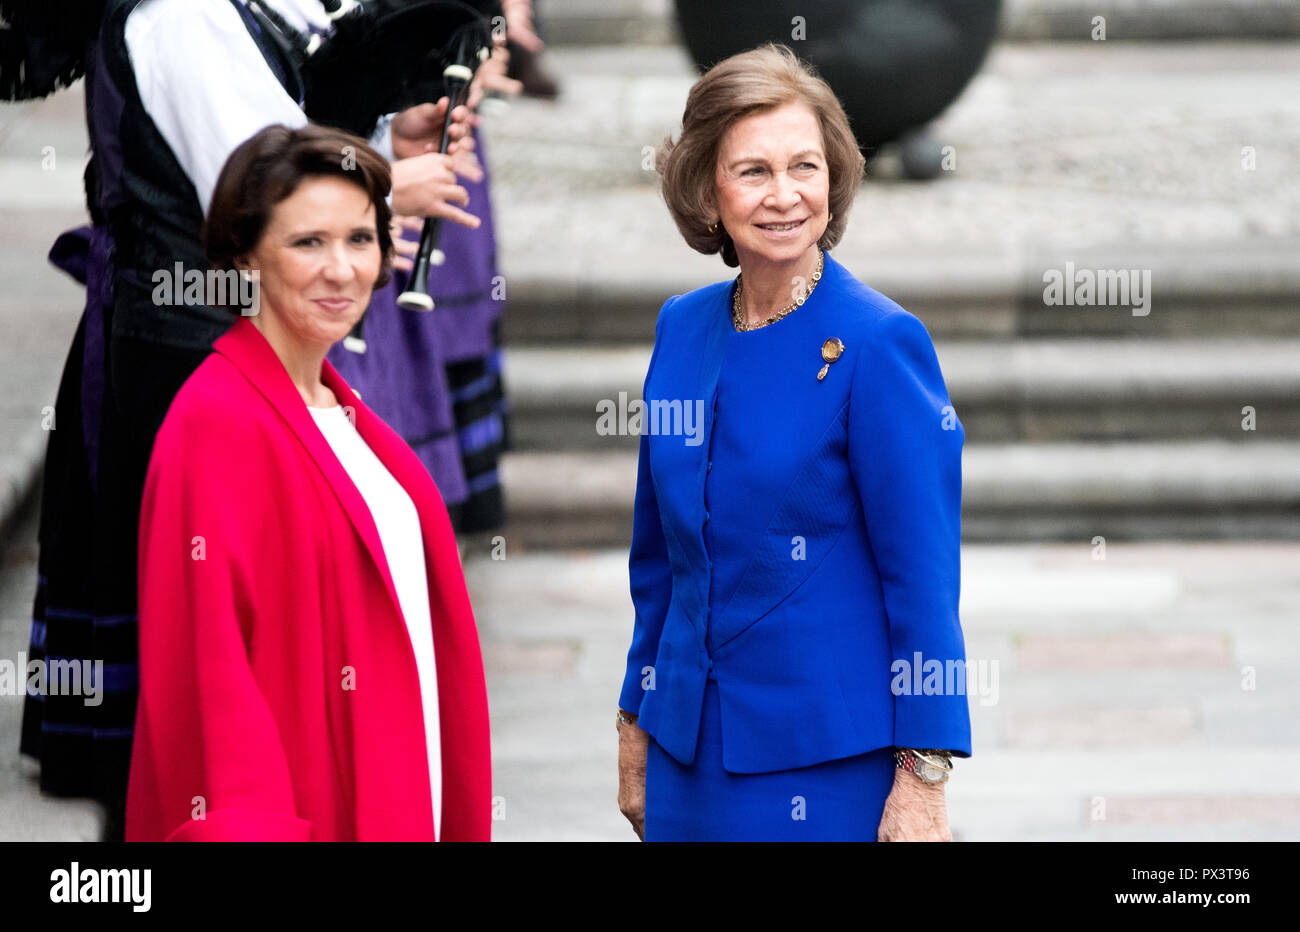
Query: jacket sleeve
(208, 762)
(905, 445)
(649, 572)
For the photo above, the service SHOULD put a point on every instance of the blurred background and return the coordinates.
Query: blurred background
(1131, 567)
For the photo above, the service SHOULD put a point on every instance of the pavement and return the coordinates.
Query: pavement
(1145, 696)
(1126, 698)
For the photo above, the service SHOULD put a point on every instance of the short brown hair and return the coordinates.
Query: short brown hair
(268, 167)
(761, 79)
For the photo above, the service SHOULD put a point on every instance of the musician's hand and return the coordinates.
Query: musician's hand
(491, 76)
(417, 130)
(402, 246)
(465, 163)
(425, 186)
(519, 24)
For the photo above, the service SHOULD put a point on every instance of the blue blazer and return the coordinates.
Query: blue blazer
(849, 491)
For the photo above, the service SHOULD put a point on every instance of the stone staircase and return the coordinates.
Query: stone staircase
(1081, 421)
(1067, 437)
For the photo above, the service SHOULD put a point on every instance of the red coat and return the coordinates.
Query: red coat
(279, 696)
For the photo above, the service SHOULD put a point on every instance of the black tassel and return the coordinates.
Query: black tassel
(72, 20)
(32, 68)
(43, 45)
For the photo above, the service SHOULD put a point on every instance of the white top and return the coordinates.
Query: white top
(205, 84)
(399, 531)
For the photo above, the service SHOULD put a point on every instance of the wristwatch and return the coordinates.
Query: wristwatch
(626, 718)
(933, 765)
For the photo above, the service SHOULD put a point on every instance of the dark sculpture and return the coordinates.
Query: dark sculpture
(894, 64)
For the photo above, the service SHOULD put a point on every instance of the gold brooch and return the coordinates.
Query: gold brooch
(832, 349)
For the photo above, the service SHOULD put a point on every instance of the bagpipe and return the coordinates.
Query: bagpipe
(383, 56)
(43, 45)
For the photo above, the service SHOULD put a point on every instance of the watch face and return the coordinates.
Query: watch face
(930, 774)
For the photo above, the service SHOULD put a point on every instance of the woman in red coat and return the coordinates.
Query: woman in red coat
(309, 663)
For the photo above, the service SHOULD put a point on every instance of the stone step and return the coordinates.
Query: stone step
(601, 22)
(1058, 491)
(1072, 20)
(608, 22)
(1029, 390)
(1196, 291)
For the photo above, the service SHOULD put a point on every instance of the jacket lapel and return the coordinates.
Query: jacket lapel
(249, 351)
(705, 329)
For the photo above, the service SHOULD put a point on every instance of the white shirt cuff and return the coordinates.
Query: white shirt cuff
(381, 140)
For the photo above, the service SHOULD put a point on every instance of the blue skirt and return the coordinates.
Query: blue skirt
(839, 800)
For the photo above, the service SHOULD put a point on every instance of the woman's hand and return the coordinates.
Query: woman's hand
(914, 811)
(425, 186)
(633, 748)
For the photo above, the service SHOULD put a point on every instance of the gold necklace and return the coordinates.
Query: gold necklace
(738, 315)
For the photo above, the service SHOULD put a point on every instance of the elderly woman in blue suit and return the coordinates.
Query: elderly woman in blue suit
(797, 663)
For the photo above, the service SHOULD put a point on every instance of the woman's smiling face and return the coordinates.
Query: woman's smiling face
(318, 260)
(773, 185)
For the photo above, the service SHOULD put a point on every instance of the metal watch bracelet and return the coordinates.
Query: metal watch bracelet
(933, 765)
